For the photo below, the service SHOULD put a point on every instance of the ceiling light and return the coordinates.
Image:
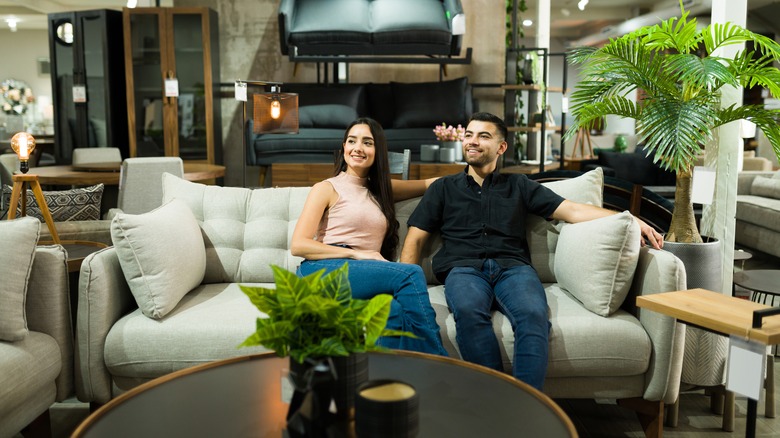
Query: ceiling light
(528, 22)
(132, 3)
(12, 22)
(581, 5)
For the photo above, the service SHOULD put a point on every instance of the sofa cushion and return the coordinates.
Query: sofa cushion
(425, 105)
(345, 22)
(542, 235)
(81, 204)
(162, 255)
(326, 116)
(766, 187)
(393, 24)
(208, 324)
(18, 239)
(601, 257)
(245, 231)
(759, 210)
(351, 95)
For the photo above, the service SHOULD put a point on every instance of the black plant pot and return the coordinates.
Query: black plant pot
(317, 384)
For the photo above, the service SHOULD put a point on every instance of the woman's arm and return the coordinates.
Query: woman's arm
(321, 197)
(407, 189)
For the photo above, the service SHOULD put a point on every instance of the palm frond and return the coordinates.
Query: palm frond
(700, 74)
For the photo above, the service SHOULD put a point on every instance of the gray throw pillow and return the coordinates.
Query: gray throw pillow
(18, 239)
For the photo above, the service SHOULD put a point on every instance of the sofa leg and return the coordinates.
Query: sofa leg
(729, 403)
(40, 427)
(94, 406)
(263, 172)
(649, 413)
(769, 386)
(673, 413)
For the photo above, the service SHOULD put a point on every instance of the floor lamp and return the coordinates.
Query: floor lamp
(273, 112)
(23, 144)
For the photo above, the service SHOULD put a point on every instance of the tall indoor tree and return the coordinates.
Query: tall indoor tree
(672, 63)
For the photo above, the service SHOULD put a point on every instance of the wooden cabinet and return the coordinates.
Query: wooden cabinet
(87, 81)
(172, 73)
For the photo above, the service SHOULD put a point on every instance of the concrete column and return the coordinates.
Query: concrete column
(723, 153)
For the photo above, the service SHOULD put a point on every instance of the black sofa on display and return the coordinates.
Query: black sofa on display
(635, 167)
(408, 112)
(371, 27)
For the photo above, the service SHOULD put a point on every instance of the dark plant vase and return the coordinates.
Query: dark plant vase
(317, 382)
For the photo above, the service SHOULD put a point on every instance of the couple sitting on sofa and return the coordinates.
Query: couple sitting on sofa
(485, 258)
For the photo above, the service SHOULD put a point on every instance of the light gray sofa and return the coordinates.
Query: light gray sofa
(758, 211)
(199, 314)
(36, 336)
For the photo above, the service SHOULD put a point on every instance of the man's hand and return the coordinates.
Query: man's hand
(650, 235)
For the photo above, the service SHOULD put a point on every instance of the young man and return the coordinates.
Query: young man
(484, 259)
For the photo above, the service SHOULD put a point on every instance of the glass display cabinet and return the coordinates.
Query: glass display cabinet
(172, 74)
(88, 81)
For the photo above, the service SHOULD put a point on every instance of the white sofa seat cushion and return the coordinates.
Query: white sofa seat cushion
(245, 231)
(18, 239)
(759, 210)
(208, 324)
(162, 255)
(577, 338)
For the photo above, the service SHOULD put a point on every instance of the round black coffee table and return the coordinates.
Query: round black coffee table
(244, 397)
(765, 284)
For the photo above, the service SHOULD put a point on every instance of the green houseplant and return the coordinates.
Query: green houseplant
(674, 65)
(323, 329)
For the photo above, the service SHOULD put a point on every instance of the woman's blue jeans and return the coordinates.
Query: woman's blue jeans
(519, 295)
(410, 309)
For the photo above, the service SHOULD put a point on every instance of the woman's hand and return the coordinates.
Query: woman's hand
(368, 255)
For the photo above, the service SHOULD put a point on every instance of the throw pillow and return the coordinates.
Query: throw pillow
(18, 239)
(425, 105)
(542, 235)
(600, 259)
(82, 204)
(162, 255)
(766, 187)
(326, 116)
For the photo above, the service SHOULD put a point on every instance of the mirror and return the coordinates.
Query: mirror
(65, 32)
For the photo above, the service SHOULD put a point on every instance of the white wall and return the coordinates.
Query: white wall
(19, 52)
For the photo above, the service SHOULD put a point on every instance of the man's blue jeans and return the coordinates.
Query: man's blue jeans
(518, 294)
(410, 309)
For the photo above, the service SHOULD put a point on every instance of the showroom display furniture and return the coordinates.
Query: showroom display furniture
(408, 113)
(36, 338)
(371, 27)
(198, 314)
(165, 45)
(758, 211)
(87, 55)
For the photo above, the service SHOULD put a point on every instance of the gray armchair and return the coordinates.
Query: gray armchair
(36, 336)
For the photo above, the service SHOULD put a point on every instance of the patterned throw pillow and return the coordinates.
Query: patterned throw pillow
(80, 204)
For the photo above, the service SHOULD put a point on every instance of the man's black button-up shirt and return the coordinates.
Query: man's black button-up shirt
(479, 223)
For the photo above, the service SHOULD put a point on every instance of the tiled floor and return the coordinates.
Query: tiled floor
(598, 418)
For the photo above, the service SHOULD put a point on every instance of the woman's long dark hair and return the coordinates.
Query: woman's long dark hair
(378, 181)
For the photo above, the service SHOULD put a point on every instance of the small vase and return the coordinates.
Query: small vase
(317, 383)
(457, 148)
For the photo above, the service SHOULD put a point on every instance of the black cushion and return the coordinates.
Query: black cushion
(393, 22)
(326, 116)
(428, 104)
(324, 22)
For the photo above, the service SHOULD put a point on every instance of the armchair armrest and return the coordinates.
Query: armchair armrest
(286, 11)
(48, 308)
(104, 297)
(656, 272)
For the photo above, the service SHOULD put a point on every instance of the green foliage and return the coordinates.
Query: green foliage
(673, 64)
(316, 316)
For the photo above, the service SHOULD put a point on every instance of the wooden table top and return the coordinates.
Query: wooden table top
(67, 175)
(716, 312)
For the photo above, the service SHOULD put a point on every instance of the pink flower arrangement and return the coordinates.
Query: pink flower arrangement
(449, 133)
(16, 95)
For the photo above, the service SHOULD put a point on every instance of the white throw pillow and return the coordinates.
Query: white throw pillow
(162, 255)
(542, 235)
(18, 238)
(596, 261)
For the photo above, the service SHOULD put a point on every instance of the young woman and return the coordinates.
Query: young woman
(351, 218)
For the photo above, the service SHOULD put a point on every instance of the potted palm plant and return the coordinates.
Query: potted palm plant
(674, 65)
(316, 322)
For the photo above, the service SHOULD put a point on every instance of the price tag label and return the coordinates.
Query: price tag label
(79, 93)
(703, 186)
(747, 367)
(241, 91)
(172, 87)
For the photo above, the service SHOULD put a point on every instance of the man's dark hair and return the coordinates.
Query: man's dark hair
(491, 118)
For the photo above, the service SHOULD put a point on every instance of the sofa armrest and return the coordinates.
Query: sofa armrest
(48, 308)
(286, 11)
(656, 272)
(104, 297)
